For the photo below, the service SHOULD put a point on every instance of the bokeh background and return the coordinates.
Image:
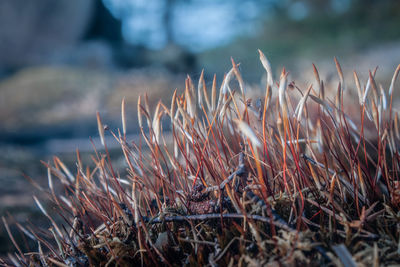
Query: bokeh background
(61, 61)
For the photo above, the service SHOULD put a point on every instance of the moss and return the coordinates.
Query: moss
(235, 182)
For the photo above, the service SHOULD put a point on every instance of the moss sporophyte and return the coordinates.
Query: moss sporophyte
(244, 176)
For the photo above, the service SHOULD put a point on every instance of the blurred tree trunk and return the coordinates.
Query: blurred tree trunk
(168, 20)
(104, 25)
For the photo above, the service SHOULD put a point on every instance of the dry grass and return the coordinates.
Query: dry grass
(279, 180)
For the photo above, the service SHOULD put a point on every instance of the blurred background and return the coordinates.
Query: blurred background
(61, 61)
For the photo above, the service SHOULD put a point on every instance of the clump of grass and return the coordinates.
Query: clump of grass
(285, 179)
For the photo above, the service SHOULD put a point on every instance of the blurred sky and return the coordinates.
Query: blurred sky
(197, 25)
(202, 24)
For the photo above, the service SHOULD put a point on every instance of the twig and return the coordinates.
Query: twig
(241, 170)
(213, 216)
(203, 242)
